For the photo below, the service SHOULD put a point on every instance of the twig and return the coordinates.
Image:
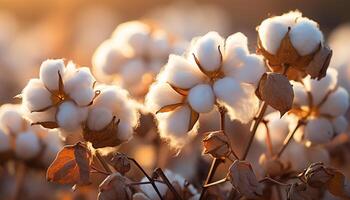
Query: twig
(288, 139)
(254, 127)
(211, 173)
(274, 181)
(103, 162)
(216, 182)
(99, 171)
(147, 176)
(160, 173)
(20, 174)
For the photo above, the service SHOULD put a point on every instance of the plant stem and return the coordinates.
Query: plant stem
(254, 127)
(288, 139)
(216, 182)
(103, 162)
(147, 176)
(160, 173)
(20, 174)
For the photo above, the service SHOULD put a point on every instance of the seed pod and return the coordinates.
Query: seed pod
(216, 144)
(121, 163)
(317, 175)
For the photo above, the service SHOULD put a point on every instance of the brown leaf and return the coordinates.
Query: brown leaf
(216, 144)
(193, 119)
(114, 187)
(71, 166)
(317, 175)
(337, 186)
(302, 191)
(120, 162)
(244, 180)
(317, 68)
(169, 108)
(50, 125)
(276, 91)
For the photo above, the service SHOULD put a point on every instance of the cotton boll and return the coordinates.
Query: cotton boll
(294, 155)
(49, 73)
(271, 32)
(99, 118)
(159, 46)
(132, 71)
(149, 190)
(47, 116)
(306, 36)
(11, 118)
(70, 117)
(27, 145)
(207, 52)
(125, 130)
(155, 66)
(340, 124)
(238, 98)
(337, 103)
(83, 97)
(201, 98)
(291, 18)
(318, 131)
(160, 95)
(320, 88)
(182, 73)
(5, 142)
(300, 94)
(35, 96)
(174, 125)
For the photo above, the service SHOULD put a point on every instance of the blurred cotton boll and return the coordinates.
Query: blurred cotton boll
(27, 145)
(134, 54)
(209, 72)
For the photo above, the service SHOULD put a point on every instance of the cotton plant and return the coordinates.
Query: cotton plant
(214, 72)
(134, 55)
(23, 142)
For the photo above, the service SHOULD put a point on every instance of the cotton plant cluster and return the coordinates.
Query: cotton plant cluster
(134, 55)
(213, 72)
(20, 140)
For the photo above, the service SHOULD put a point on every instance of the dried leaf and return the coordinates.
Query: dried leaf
(71, 166)
(244, 180)
(193, 119)
(50, 125)
(317, 175)
(337, 186)
(114, 187)
(169, 108)
(121, 163)
(107, 137)
(276, 91)
(317, 68)
(216, 144)
(302, 192)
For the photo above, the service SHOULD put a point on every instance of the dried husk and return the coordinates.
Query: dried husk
(216, 144)
(114, 187)
(121, 163)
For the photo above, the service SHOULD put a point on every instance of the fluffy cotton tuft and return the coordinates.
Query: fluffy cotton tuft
(35, 96)
(337, 103)
(5, 142)
(318, 131)
(70, 117)
(49, 70)
(201, 98)
(339, 124)
(11, 118)
(27, 145)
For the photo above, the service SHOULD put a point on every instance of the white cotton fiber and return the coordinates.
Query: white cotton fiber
(238, 98)
(35, 95)
(318, 131)
(5, 142)
(300, 94)
(160, 95)
(206, 50)
(293, 156)
(132, 72)
(99, 118)
(337, 103)
(27, 145)
(182, 73)
(83, 96)
(201, 98)
(70, 116)
(271, 32)
(340, 124)
(159, 45)
(49, 73)
(306, 36)
(11, 118)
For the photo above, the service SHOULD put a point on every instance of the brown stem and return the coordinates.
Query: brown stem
(216, 182)
(160, 173)
(268, 139)
(254, 127)
(20, 174)
(103, 162)
(288, 139)
(273, 181)
(147, 176)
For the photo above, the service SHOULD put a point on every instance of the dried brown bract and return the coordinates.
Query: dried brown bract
(216, 144)
(114, 187)
(121, 163)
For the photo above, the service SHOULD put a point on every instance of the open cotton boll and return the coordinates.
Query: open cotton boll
(99, 118)
(70, 116)
(293, 155)
(159, 45)
(49, 73)
(11, 118)
(201, 98)
(125, 130)
(108, 57)
(320, 88)
(238, 98)
(174, 125)
(182, 73)
(207, 52)
(161, 94)
(300, 94)
(318, 131)
(337, 103)
(83, 97)
(306, 36)
(290, 18)
(149, 190)
(271, 32)
(27, 145)
(236, 49)
(35, 96)
(132, 71)
(47, 116)
(340, 124)
(5, 142)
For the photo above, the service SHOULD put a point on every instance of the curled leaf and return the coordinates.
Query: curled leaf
(317, 175)
(276, 91)
(121, 163)
(71, 165)
(50, 125)
(317, 68)
(216, 144)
